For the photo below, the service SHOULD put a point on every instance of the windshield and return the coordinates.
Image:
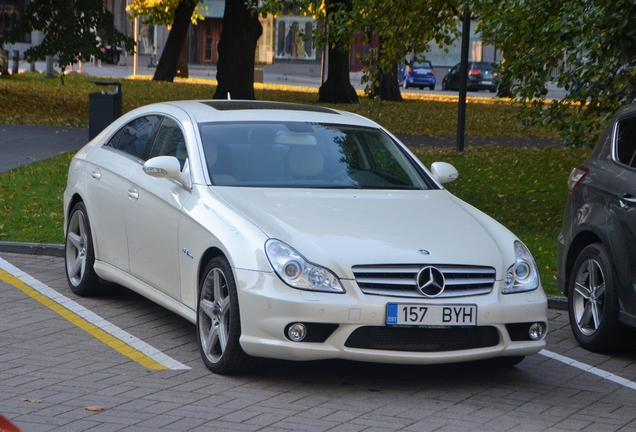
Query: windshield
(294, 154)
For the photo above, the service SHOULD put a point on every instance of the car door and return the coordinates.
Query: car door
(623, 210)
(154, 212)
(109, 171)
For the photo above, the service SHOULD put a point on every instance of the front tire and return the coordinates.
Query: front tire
(219, 322)
(593, 303)
(79, 255)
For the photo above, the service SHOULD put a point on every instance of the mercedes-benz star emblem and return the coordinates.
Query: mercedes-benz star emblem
(431, 281)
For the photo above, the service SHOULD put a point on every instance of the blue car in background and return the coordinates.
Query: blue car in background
(417, 73)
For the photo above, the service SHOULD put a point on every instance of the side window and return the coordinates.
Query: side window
(169, 141)
(626, 142)
(114, 140)
(136, 135)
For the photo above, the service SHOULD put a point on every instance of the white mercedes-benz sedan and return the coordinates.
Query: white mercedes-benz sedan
(296, 232)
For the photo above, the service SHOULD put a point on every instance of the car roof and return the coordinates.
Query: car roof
(220, 110)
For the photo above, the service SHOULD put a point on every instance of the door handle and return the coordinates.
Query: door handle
(133, 194)
(627, 200)
(96, 174)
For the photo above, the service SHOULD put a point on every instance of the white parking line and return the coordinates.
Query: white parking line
(98, 327)
(591, 369)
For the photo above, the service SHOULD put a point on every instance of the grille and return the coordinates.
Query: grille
(423, 339)
(400, 280)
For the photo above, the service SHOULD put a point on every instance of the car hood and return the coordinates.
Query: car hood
(342, 228)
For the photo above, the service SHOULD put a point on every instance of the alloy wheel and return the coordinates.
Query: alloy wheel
(76, 248)
(589, 297)
(214, 315)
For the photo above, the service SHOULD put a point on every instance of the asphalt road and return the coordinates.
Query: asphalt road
(57, 373)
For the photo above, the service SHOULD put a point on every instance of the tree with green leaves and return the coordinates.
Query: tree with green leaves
(402, 28)
(73, 29)
(237, 47)
(587, 47)
(177, 15)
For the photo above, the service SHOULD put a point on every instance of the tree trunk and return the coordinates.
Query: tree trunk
(237, 48)
(337, 88)
(167, 67)
(182, 64)
(389, 88)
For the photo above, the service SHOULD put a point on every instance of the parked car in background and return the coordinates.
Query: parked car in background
(596, 249)
(417, 73)
(296, 232)
(111, 54)
(481, 76)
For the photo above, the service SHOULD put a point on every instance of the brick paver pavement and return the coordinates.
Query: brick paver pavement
(51, 371)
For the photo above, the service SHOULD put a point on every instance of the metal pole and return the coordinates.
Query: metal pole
(463, 81)
(136, 52)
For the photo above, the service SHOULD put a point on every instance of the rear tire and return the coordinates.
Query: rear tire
(79, 255)
(219, 321)
(593, 304)
(406, 84)
(432, 87)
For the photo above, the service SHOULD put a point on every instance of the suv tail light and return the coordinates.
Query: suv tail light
(576, 177)
(409, 71)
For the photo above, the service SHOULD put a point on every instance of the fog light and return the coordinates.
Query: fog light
(536, 331)
(297, 332)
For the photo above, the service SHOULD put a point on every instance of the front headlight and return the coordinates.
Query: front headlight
(297, 272)
(523, 274)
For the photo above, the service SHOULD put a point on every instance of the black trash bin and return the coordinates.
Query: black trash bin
(103, 107)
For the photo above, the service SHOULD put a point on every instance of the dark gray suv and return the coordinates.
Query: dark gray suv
(596, 249)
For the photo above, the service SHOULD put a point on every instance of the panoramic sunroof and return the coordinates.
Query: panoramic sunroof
(229, 105)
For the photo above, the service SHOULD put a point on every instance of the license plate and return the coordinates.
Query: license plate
(431, 315)
(486, 82)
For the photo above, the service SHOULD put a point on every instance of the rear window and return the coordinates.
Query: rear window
(483, 66)
(422, 64)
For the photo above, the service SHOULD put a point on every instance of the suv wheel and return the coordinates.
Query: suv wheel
(593, 302)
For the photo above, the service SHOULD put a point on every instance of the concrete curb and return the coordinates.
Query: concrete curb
(554, 302)
(33, 248)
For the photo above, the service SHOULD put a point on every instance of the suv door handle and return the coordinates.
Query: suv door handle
(627, 200)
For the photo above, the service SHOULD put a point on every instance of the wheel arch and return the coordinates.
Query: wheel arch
(580, 242)
(207, 256)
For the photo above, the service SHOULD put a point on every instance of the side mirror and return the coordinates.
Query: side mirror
(163, 167)
(444, 172)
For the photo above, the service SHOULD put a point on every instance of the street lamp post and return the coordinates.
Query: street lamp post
(463, 81)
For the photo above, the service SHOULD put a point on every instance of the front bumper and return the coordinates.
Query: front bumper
(268, 306)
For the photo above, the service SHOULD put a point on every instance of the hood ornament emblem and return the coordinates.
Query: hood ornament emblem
(431, 281)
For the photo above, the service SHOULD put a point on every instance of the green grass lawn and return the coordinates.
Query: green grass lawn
(523, 188)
